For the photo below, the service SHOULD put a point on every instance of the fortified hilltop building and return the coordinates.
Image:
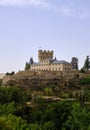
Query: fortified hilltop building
(46, 70)
(47, 62)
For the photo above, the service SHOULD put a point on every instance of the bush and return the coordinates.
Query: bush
(65, 95)
(85, 81)
(48, 91)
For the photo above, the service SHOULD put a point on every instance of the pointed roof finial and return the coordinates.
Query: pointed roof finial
(55, 58)
(39, 47)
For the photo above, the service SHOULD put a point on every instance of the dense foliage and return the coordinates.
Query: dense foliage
(85, 81)
(15, 114)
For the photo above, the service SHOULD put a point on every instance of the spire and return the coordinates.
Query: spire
(40, 48)
(31, 60)
(55, 58)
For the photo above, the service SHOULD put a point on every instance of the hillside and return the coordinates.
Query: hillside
(31, 79)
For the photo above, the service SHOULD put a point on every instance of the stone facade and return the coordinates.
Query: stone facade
(47, 62)
(42, 55)
(2, 75)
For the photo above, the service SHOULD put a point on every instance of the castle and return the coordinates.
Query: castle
(47, 62)
(47, 68)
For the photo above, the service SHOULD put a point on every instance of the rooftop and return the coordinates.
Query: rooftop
(53, 62)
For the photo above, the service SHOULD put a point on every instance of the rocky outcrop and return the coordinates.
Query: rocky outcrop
(41, 79)
(33, 80)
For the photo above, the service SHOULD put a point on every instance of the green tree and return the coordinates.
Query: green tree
(5, 125)
(82, 70)
(27, 66)
(11, 73)
(87, 63)
(12, 122)
(16, 95)
(8, 108)
(60, 113)
(79, 118)
(10, 94)
(85, 81)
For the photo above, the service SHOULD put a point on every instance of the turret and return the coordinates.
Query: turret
(42, 55)
(74, 63)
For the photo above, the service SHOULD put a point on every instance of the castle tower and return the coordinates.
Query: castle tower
(44, 55)
(74, 63)
(40, 55)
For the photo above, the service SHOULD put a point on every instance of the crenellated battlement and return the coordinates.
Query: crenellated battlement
(44, 55)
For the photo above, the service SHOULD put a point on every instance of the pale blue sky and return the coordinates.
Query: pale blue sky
(59, 25)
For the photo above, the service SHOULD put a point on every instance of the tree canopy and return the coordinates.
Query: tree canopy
(87, 63)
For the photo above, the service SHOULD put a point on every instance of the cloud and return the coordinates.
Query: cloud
(23, 2)
(66, 11)
(10, 2)
(72, 12)
(83, 15)
(46, 5)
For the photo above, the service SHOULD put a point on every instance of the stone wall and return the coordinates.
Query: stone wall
(2, 75)
(27, 78)
(44, 55)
